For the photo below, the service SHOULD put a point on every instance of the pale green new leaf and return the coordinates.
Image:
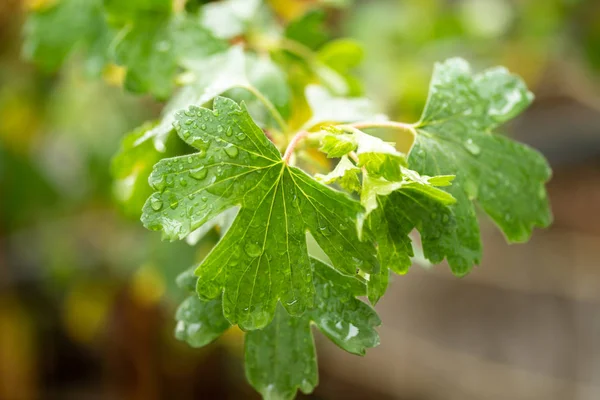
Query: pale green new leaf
(281, 358)
(346, 174)
(380, 159)
(455, 136)
(263, 256)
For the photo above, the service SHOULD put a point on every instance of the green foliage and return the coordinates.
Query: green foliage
(281, 358)
(263, 257)
(253, 117)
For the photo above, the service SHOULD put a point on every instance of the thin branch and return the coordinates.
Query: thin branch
(399, 126)
(292, 145)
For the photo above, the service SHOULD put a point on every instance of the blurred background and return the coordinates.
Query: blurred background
(87, 295)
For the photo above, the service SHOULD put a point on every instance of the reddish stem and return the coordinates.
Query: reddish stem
(292, 145)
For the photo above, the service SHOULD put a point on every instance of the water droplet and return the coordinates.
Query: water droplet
(219, 128)
(204, 199)
(188, 121)
(160, 184)
(241, 136)
(232, 151)
(183, 182)
(190, 160)
(253, 249)
(156, 203)
(199, 173)
(229, 131)
(472, 147)
(185, 134)
(174, 202)
(203, 126)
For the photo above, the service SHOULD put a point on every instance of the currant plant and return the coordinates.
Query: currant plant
(261, 107)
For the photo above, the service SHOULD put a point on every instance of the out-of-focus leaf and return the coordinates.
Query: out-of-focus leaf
(309, 29)
(327, 108)
(52, 33)
(229, 18)
(153, 47)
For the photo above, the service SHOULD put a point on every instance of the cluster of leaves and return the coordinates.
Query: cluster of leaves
(298, 245)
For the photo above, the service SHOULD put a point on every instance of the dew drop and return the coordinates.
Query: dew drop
(472, 147)
(241, 136)
(229, 131)
(203, 126)
(185, 134)
(156, 203)
(183, 182)
(199, 173)
(188, 121)
(232, 151)
(160, 184)
(253, 249)
(220, 128)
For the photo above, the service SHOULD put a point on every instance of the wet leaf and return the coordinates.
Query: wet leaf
(456, 137)
(281, 358)
(263, 257)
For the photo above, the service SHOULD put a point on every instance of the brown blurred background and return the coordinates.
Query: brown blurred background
(87, 295)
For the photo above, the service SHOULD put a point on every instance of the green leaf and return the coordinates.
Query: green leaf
(223, 221)
(309, 29)
(333, 109)
(396, 212)
(263, 256)
(152, 49)
(200, 322)
(455, 137)
(345, 174)
(208, 78)
(342, 56)
(51, 34)
(281, 357)
(374, 186)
